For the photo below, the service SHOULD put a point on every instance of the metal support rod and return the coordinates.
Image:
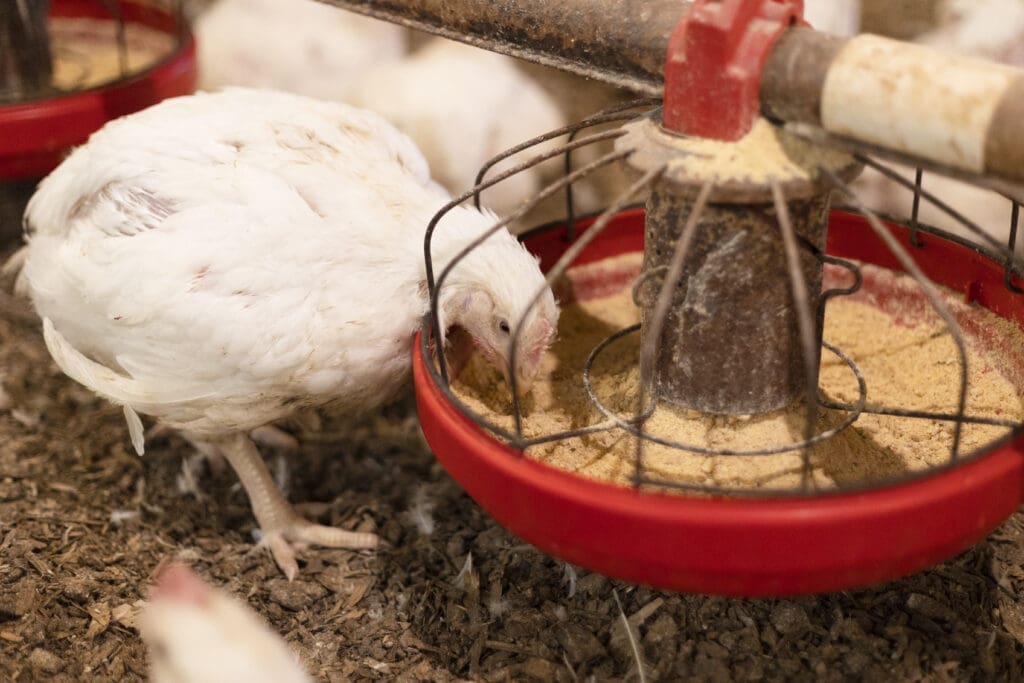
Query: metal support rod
(621, 42)
(815, 78)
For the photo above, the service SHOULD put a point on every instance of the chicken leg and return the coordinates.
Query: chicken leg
(280, 524)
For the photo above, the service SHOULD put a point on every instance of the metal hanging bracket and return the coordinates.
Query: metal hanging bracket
(714, 63)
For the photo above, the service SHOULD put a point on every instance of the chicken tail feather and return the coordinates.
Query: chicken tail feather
(119, 389)
(135, 429)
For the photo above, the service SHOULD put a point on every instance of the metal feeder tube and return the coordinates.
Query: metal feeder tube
(731, 342)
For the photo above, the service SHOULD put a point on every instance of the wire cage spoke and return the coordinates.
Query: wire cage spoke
(633, 423)
(930, 292)
(808, 338)
(562, 265)
(434, 288)
(1003, 250)
(1009, 265)
(650, 346)
(610, 114)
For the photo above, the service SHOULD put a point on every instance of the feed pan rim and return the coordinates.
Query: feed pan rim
(745, 546)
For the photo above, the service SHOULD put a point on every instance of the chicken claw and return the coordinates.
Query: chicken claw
(282, 528)
(300, 532)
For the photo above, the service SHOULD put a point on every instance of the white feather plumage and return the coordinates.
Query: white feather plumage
(463, 105)
(993, 29)
(301, 46)
(222, 258)
(838, 17)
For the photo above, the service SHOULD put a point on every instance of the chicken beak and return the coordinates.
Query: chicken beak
(523, 383)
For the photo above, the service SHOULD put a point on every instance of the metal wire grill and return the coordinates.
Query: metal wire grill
(634, 424)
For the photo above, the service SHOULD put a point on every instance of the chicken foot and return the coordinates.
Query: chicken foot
(282, 528)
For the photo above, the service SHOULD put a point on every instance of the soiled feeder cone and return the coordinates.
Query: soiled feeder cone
(731, 341)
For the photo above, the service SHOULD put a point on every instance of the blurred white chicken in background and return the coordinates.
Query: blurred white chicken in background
(992, 29)
(462, 106)
(199, 634)
(838, 17)
(223, 260)
(299, 46)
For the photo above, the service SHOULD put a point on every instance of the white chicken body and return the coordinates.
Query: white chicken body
(213, 262)
(463, 105)
(838, 17)
(301, 46)
(993, 29)
(221, 260)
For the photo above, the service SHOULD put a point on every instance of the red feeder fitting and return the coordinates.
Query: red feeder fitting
(714, 62)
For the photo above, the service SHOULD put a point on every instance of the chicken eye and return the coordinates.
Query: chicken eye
(503, 326)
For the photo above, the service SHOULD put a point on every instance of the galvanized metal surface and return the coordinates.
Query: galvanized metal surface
(795, 73)
(621, 42)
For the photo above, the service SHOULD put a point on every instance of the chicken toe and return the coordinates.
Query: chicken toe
(276, 438)
(282, 528)
(301, 532)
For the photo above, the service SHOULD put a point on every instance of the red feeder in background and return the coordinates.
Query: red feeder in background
(39, 125)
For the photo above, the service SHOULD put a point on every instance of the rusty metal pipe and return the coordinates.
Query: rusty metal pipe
(621, 42)
(881, 92)
(625, 43)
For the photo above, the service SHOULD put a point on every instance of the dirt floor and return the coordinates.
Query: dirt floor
(84, 522)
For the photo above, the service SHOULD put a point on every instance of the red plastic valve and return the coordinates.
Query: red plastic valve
(714, 62)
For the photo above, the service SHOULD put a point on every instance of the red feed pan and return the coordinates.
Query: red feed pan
(35, 136)
(742, 546)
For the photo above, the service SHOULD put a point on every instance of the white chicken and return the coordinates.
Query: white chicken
(198, 634)
(300, 46)
(222, 260)
(462, 106)
(993, 29)
(838, 17)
